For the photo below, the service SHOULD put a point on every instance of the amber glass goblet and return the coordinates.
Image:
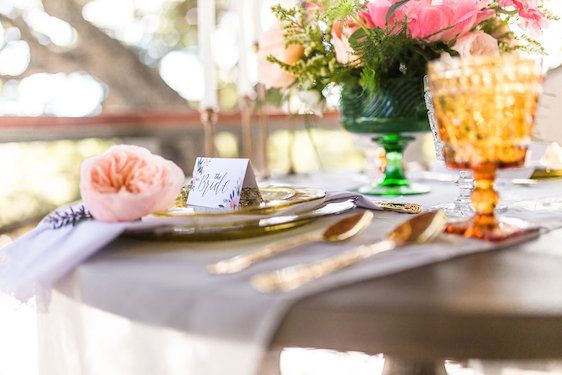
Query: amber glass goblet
(485, 108)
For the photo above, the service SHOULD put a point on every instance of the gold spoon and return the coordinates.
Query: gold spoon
(419, 229)
(342, 230)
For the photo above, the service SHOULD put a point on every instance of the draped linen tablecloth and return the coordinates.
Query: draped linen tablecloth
(141, 307)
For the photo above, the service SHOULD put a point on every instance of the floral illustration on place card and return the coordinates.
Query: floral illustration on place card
(223, 183)
(200, 165)
(233, 199)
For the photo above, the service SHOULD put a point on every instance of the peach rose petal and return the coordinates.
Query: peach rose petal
(477, 44)
(272, 43)
(341, 32)
(128, 182)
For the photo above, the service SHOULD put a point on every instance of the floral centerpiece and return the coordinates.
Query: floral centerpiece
(376, 52)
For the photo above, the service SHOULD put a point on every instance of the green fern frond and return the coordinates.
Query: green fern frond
(343, 9)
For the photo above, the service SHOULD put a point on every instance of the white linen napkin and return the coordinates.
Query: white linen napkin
(31, 265)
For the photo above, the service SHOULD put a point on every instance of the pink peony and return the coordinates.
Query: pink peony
(375, 14)
(426, 21)
(434, 20)
(272, 43)
(128, 182)
(341, 32)
(477, 44)
(466, 15)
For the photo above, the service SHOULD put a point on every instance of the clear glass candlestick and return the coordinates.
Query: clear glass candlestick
(461, 208)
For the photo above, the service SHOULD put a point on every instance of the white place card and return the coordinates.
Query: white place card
(219, 182)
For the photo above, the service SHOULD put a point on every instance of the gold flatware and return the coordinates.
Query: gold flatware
(419, 229)
(406, 208)
(342, 230)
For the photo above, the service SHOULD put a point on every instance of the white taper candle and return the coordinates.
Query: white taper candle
(206, 27)
(245, 87)
(256, 8)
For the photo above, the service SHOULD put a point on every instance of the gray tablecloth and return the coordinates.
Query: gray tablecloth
(166, 284)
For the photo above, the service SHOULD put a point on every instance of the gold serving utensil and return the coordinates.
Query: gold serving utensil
(342, 230)
(419, 229)
(406, 208)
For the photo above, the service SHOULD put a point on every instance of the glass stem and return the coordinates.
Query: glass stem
(465, 183)
(485, 198)
(394, 145)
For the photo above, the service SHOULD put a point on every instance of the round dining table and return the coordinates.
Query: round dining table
(499, 305)
(503, 304)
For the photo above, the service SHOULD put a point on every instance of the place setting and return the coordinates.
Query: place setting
(221, 202)
(192, 236)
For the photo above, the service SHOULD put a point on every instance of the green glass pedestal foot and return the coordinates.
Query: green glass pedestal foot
(395, 181)
(393, 191)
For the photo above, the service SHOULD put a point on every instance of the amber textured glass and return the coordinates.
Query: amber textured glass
(485, 109)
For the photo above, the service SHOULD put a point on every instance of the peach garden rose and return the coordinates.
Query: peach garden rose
(128, 182)
(272, 42)
(341, 32)
(477, 44)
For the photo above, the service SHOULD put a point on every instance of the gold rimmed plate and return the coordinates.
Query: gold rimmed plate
(237, 230)
(275, 198)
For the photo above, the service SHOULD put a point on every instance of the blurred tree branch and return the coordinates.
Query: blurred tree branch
(132, 85)
(45, 58)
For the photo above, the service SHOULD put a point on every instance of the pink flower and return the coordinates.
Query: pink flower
(375, 14)
(313, 7)
(128, 182)
(477, 44)
(426, 21)
(272, 43)
(466, 15)
(234, 203)
(435, 20)
(341, 32)
(531, 16)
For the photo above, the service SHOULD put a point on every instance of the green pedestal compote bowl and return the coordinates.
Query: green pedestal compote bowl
(392, 114)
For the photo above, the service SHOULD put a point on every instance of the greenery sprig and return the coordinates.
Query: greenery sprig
(318, 65)
(382, 53)
(70, 216)
(343, 9)
(392, 53)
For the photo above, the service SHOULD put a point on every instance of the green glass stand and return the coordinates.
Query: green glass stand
(395, 181)
(398, 108)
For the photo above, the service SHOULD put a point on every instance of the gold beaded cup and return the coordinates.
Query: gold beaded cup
(485, 109)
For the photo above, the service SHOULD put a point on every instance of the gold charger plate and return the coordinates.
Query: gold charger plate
(252, 228)
(218, 233)
(275, 198)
